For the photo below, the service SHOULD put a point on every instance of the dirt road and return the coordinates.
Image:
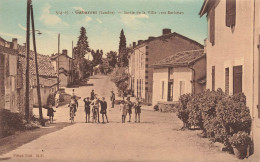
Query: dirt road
(156, 138)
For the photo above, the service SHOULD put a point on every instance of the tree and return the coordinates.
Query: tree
(97, 57)
(122, 53)
(120, 78)
(80, 51)
(112, 58)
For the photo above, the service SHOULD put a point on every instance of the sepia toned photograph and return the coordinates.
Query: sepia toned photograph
(130, 80)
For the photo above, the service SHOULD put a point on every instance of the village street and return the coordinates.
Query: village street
(156, 138)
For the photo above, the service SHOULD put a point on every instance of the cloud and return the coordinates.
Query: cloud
(50, 19)
(98, 20)
(78, 8)
(133, 21)
(83, 21)
(11, 35)
(22, 27)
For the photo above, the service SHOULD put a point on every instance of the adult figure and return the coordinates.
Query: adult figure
(87, 109)
(112, 98)
(95, 104)
(103, 111)
(57, 99)
(92, 95)
(73, 92)
(137, 110)
(129, 106)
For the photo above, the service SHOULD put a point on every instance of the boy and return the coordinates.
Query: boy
(87, 109)
(103, 111)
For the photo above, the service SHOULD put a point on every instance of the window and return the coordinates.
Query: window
(227, 81)
(182, 87)
(146, 82)
(146, 71)
(212, 26)
(147, 47)
(146, 77)
(237, 79)
(146, 65)
(146, 59)
(162, 89)
(146, 88)
(213, 78)
(147, 53)
(230, 13)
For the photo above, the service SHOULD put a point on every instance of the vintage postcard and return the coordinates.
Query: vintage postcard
(136, 80)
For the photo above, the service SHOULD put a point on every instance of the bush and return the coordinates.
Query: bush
(156, 108)
(182, 111)
(240, 138)
(218, 115)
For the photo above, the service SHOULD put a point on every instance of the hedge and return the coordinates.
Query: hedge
(218, 115)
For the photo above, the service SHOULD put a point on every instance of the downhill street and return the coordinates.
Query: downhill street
(156, 138)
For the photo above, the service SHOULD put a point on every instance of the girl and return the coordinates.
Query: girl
(123, 110)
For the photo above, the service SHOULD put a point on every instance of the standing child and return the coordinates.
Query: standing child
(87, 108)
(123, 110)
(129, 105)
(137, 110)
(103, 110)
(50, 113)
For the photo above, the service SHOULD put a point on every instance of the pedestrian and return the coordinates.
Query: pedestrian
(95, 104)
(103, 110)
(50, 113)
(92, 95)
(87, 108)
(137, 110)
(129, 106)
(123, 110)
(57, 99)
(73, 105)
(112, 98)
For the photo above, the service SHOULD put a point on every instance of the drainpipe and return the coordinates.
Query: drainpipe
(253, 107)
(193, 78)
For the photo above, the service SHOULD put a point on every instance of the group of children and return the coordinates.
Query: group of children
(126, 108)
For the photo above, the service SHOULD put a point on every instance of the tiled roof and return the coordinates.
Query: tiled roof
(167, 36)
(184, 58)
(54, 56)
(44, 63)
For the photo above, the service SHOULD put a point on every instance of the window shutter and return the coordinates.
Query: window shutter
(213, 78)
(227, 81)
(212, 26)
(230, 13)
(237, 79)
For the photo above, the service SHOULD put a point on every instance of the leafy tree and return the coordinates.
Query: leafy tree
(112, 58)
(120, 78)
(80, 51)
(97, 57)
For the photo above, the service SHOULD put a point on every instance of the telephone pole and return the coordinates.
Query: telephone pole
(58, 64)
(27, 81)
(37, 71)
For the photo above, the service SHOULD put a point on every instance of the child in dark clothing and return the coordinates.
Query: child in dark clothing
(87, 108)
(50, 113)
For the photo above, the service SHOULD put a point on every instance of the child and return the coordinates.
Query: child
(123, 110)
(137, 110)
(50, 113)
(87, 108)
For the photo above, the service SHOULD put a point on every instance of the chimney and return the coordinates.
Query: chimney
(140, 41)
(166, 31)
(14, 43)
(134, 44)
(65, 52)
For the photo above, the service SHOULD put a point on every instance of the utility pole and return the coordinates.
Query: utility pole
(58, 64)
(72, 67)
(37, 71)
(27, 81)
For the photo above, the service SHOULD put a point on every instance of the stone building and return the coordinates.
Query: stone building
(232, 48)
(178, 74)
(147, 52)
(65, 67)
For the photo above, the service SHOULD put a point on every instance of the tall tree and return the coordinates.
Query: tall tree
(112, 58)
(80, 51)
(121, 50)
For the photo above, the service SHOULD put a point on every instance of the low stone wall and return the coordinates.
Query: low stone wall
(167, 106)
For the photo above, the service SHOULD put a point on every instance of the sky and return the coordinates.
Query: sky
(103, 30)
